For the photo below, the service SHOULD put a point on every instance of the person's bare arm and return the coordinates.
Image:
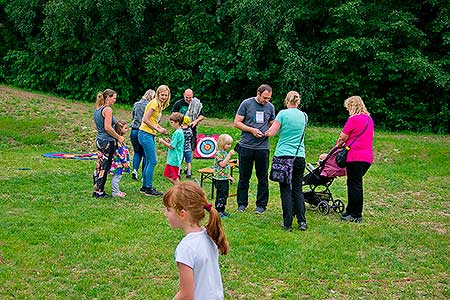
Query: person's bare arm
(239, 124)
(224, 163)
(146, 120)
(342, 139)
(273, 128)
(166, 143)
(196, 121)
(107, 114)
(186, 291)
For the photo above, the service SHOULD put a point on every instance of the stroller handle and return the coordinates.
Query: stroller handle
(309, 167)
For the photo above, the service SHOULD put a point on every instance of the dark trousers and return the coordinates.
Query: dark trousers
(355, 172)
(260, 158)
(138, 150)
(105, 156)
(292, 200)
(222, 191)
(194, 138)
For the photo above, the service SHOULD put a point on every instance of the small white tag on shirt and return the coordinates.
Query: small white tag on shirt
(259, 117)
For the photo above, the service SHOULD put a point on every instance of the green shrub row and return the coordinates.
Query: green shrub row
(395, 54)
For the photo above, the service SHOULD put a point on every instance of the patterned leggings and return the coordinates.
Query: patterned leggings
(103, 164)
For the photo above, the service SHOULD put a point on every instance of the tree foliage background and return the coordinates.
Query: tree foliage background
(395, 54)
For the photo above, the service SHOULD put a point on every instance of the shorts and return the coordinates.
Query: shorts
(187, 155)
(171, 172)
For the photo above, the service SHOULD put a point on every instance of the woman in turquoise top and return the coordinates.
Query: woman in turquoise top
(291, 123)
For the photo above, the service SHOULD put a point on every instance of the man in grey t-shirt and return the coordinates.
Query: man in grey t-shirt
(253, 118)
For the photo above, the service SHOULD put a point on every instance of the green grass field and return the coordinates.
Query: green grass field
(57, 242)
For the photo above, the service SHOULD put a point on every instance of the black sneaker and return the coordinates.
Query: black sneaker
(302, 226)
(349, 218)
(100, 195)
(259, 210)
(241, 208)
(345, 214)
(143, 189)
(134, 175)
(287, 228)
(357, 220)
(346, 217)
(153, 192)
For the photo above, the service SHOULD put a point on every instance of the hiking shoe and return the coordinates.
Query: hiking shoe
(302, 226)
(224, 215)
(287, 228)
(241, 208)
(153, 192)
(259, 210)
(134, 175)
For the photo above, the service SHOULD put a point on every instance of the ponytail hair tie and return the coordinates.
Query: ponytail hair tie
(207, 206)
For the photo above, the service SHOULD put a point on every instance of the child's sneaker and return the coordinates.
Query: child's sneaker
(134, 175)
(224, 214)
(188, 174)
(119, 194)
(100, 195)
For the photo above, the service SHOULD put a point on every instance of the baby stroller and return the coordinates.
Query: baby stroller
(319, 180)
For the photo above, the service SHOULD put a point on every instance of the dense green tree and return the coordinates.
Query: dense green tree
(383, 51)
(394, 54)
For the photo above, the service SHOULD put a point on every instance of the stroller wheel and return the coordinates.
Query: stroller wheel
(338, 206)
(323, 207)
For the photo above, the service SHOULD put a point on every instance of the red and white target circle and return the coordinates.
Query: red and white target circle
(206, 146)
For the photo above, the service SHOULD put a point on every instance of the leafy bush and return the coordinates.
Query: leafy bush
(395, 55)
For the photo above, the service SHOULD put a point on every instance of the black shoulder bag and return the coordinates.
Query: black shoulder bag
(341, 157)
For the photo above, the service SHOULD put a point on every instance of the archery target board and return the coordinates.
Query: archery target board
(206, 146)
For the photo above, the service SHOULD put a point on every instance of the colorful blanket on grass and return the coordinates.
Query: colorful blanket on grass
(67, 155)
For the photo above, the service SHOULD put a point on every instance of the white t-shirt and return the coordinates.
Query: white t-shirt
(198, 251)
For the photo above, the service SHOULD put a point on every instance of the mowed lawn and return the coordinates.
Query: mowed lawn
(57, 242)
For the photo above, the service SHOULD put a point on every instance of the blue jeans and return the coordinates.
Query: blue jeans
(248, 157)
(187, 156)
(138, 150)
(147, 142)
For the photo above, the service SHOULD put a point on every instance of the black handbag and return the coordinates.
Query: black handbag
(281, 169)
(341, 157)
